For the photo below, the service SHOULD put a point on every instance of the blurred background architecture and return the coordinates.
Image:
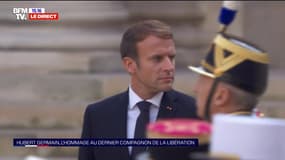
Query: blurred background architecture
(50, 70)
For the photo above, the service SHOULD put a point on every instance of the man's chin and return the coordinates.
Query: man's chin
(166, 88)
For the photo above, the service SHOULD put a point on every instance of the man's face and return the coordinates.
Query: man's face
(156, 66)
(201, 90)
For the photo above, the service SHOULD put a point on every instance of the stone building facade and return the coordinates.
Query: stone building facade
(50, 70)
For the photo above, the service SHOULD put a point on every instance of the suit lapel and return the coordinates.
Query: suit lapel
(121, 122)
(167, 108)
(120, 114)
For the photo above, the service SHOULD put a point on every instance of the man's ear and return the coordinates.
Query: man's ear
(222, 96)
(130, 65)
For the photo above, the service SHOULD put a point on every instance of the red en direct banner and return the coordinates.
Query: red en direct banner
(43, 16)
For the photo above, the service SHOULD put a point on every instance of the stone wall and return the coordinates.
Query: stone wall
(264, 25)
(50, 71)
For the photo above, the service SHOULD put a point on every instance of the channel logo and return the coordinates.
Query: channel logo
(34, 14)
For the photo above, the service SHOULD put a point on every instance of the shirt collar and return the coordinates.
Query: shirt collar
(134, 98)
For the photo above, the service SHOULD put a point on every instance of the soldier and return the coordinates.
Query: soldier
(232, 78)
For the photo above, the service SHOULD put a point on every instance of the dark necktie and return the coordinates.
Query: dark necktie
(142, 121)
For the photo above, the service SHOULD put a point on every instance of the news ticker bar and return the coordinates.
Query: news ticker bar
(78, 142)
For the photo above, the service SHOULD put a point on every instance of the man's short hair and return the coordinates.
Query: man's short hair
(138, 32)
(245, 100)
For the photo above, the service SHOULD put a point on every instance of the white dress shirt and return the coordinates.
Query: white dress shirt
(133, 111)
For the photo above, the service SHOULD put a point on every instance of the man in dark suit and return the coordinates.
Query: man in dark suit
(148, 54)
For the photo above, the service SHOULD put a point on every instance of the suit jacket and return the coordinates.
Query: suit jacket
(108, 119)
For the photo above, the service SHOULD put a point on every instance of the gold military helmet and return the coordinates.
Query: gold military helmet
(237, 62)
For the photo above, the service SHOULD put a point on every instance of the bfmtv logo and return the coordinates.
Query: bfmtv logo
(23, 14)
